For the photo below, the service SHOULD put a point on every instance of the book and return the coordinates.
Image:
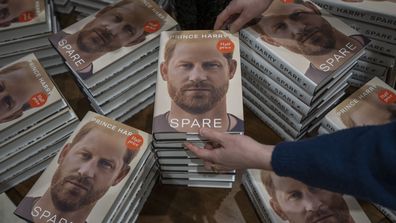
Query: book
(198, 85)
(104, 43)
(312, 56)
(30, 96)
(85, 178)
(380, 13)
(372, 104)
(281, 199)
(24, 18)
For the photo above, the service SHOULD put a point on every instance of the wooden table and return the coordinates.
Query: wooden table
(168, 203)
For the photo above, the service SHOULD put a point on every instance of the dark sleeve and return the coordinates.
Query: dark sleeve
(359, 161)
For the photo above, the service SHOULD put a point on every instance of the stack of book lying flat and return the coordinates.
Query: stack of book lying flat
(35, 120)
(104, 173)
(372, 104)
(282, 199)
(113, 55)
(295, 65)
(377, 21)
(198, 85)
(63, 6)
(27, 32)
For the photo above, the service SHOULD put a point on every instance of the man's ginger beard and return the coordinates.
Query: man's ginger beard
(71, 200)
(85, 45)
(200, 102)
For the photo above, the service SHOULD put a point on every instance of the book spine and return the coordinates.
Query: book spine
(372, 31)
(255, 197)
(269, 70)
(278, 130)
(378, 58)
(328, 124)
(358, 14)
(260, 92)
(364, 77)
(295, 125)
(252, 73)
(369, 68)
(356, 83)
(298, 78)
(390, 214)
(322, 131)
(271, 115)
(382, 47)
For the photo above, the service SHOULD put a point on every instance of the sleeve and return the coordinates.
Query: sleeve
(360, 161)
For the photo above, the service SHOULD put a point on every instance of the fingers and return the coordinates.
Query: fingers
(239, 23)
(201, 153)
(229, 11)
(213, 135)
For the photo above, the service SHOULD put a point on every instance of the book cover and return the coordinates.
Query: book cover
(99, 40)
(304, 42)
(84, 179)
(380, 13)
(19, 13)
(25, 90)
(372, 104)
(283, 199)
(198, 83)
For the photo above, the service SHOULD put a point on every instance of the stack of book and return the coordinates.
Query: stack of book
(295, 63)
(376, 20)
(104, 173)
(63, 6)
(26, 30)
(113, 55)
(372, 104)
(86, 8)
(282, 199)
(35, 120)
(198, 85)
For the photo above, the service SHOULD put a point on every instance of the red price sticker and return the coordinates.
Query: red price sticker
(287, 1)
(152, 26)
(38, 100)
(225, 46)
(134, 142)
(387, 96)
(26, 16)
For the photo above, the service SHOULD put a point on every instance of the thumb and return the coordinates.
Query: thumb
(213, 135)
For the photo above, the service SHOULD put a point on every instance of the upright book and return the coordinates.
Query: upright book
(104, 43)
(198, 84)
(85, 178)
(308, 45)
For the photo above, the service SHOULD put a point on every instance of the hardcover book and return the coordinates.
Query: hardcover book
(20, 18)
(85, 178)
(104, 43)
(198, 84)
(381, 13)
(307, 44)
(28, 96)
(372, 104)
(283, 199)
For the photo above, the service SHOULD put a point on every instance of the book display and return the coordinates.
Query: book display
(97, 173)
(116, 66)
(198, 85)
(34, 120)
(161, 67)
(291, 81)
(28, 33)
(376, 21)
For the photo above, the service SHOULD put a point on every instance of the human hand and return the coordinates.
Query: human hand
(227, 152)
(243, 10)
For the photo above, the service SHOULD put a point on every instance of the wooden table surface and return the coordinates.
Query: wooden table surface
(168, 203)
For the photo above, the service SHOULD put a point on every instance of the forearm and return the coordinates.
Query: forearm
(359, 161)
